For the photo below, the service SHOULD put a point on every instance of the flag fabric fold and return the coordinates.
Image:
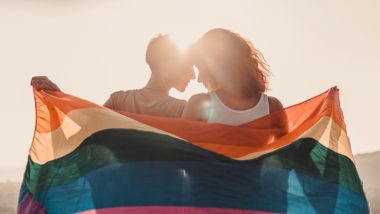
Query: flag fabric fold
(86, 158)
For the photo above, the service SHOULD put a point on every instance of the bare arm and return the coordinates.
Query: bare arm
(197, 108)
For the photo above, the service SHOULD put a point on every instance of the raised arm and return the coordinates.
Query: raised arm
(43, 83)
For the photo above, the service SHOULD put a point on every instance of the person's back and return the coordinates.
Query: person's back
(221, 113)
(213, 108)
(235, 75)
(146, 101)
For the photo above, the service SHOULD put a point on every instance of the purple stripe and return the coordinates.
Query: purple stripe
(29, 205)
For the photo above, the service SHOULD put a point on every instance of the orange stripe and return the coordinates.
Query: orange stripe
(234, 142)
(76, 127)
(52, 107)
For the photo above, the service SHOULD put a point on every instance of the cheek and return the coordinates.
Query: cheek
(200, 76)
(207, 81)
(204, 77)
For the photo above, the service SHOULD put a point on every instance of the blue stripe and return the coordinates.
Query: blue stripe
(201, 184)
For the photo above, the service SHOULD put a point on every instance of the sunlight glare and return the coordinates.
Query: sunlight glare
(194, 87)
(183, 41)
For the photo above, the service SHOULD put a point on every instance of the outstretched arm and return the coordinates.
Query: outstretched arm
(44, 83)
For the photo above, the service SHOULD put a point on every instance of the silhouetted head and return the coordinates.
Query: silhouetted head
(166, 60)
(227, 61)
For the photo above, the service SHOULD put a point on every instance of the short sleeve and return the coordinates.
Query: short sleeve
(111, 102)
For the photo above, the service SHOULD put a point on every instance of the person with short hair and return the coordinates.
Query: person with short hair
(170, 68)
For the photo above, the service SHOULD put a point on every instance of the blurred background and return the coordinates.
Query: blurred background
(92, 48)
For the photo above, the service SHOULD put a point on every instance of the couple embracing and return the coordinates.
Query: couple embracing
(233, 71)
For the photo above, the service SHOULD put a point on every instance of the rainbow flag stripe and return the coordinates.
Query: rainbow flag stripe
(85, 158)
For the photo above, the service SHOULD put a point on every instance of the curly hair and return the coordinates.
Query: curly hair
(232, 59)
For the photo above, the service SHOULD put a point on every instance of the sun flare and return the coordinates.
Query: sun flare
(183, 41)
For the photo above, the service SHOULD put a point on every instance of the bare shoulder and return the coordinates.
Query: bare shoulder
(196, 107)
(199, 98)
(274, 104)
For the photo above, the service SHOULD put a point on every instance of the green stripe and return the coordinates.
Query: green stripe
(309, 157)
(112, 146)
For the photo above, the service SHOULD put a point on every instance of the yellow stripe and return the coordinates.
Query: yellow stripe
(76, 127)
(326, 131)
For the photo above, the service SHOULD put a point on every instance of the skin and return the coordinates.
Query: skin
(198, 104)
(167, 77)
(184, 78)
(197, 107)
(44, 83)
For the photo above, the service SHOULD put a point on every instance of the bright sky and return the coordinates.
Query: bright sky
(91, 48)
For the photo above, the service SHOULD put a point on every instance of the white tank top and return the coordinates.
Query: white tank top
(220, 113)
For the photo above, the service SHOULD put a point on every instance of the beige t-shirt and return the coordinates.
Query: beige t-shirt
(146, 101)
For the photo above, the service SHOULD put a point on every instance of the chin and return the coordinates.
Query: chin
(181, 89)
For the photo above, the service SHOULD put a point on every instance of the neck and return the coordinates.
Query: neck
(157, 84)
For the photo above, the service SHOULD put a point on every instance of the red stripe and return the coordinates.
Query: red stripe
(29, 205)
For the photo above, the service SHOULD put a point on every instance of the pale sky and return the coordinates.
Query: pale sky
(91, 48)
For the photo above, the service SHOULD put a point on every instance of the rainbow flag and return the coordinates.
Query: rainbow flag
(85, 158)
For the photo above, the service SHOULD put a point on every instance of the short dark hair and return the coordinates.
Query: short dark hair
(160, 49)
